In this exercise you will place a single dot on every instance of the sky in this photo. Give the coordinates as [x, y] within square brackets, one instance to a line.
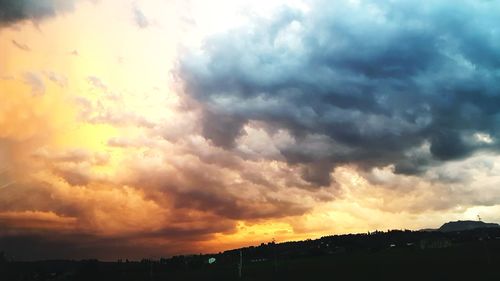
[150, 128]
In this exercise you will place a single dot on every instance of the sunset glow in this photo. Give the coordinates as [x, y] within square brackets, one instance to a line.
[149, 128]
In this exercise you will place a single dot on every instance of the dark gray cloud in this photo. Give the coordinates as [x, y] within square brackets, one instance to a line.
[378, 78]
[203, 188]
[12, 11]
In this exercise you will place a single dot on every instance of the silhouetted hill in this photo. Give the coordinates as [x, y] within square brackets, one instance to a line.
[465, 225]
[471, 254]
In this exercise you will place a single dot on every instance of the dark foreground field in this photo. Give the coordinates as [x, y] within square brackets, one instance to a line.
[472, 258]
[468, 262]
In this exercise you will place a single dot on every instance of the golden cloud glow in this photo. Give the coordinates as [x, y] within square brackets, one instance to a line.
[98, 139]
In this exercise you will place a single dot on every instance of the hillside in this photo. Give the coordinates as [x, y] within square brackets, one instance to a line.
[465, 225]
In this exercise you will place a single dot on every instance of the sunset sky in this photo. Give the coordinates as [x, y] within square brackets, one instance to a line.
[149, 128]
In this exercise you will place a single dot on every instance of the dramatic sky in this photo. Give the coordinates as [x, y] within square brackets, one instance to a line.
[147, 128]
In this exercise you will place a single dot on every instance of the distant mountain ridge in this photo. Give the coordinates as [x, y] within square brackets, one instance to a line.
[465, 225]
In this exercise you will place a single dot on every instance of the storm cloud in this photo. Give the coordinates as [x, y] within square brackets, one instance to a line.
[12, 11]
[377, 79]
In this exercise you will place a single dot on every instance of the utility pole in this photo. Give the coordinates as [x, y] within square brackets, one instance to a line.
[240, 265]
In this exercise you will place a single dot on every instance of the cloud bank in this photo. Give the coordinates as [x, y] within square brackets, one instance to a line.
[12, 11]
[376, 79]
